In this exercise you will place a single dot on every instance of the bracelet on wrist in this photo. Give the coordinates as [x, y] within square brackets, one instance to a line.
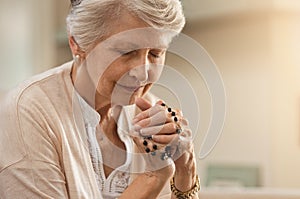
[186, 194]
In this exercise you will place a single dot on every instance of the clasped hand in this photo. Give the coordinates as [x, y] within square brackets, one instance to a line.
[164, 136]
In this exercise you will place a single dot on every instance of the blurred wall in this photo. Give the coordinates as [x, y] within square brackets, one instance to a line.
[285, 101]
[240, 46]
[256, 51]
[30, 38]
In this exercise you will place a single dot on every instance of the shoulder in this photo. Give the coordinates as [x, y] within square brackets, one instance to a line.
[49, 82]
[28, 110]
[35, 101]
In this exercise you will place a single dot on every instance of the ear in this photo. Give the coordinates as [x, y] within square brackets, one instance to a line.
[75, 47]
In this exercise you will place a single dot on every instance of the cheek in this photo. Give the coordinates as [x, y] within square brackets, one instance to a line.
[154, 73]
[108, 78]
[156, 70]
[115, 71]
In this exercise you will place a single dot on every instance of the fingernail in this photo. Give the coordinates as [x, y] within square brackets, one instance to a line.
[153, 137]
[142, 132]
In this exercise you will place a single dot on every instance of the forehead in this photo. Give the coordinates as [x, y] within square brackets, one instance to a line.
[140, 38]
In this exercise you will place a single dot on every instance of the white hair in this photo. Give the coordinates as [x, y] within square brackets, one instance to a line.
[90, 20]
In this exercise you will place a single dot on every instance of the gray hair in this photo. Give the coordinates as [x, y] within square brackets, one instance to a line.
[89, 21]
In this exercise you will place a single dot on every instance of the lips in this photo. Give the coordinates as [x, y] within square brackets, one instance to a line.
[129, 88]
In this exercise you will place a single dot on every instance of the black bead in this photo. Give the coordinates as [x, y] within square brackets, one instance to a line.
[163, 104]
[175, 119]
[148, 137]
[147, 150]
[145, 143]
[155, 147]
[173, 113]
[169, 109]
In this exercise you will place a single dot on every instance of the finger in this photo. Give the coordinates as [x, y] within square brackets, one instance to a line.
[184, 122]
[186, 134]
[161, 103]
[154, 110]
[157, 119]
[142, 104]
[169, 128]
[165, 139]
[147, 113]
[178, 112]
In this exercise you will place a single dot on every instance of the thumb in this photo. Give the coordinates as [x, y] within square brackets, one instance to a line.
[142, 104]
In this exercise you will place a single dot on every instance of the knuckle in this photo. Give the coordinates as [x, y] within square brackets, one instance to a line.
[185, 122]
[179, 112]
[173, 126]
[146, 122]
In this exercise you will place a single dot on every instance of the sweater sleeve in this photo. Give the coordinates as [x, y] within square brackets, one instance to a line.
[29, 163]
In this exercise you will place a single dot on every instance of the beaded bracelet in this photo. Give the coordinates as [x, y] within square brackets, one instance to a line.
[187, 194]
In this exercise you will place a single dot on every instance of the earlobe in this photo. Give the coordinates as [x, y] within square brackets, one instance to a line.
[78, 54]
[77, 59]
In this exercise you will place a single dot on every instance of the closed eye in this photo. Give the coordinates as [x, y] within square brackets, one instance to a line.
[125, 52]
[157, 53]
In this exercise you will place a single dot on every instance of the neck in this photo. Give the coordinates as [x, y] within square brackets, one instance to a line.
[83, 84]
[109, 115]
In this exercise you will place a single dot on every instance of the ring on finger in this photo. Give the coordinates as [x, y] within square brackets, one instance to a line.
[178, 129]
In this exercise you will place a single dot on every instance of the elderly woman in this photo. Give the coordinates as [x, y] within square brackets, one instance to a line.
[90, 128]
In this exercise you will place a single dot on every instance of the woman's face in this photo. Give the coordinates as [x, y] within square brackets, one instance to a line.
[126, 64]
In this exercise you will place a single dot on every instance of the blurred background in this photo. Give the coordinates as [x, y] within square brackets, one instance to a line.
[254, 43]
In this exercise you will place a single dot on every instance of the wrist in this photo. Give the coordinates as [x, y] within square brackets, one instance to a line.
[190, 193]
[185, 182]
[185, 163]
[188, 169]
[185, 177]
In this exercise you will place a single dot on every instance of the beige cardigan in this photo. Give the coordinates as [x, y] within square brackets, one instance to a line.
[43, 147]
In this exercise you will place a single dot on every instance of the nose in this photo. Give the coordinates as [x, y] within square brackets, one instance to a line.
[141, 68]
